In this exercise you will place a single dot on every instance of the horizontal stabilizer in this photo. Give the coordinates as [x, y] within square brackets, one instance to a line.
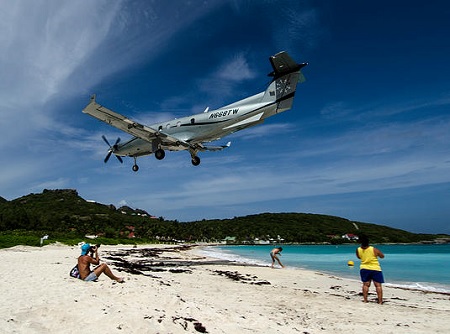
[283, 64]
[217, 148]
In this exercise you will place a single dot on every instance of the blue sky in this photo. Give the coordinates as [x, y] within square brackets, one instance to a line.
[367, 138]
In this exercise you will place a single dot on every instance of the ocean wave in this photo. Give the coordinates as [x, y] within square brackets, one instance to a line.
[222, 254]
[420, 286]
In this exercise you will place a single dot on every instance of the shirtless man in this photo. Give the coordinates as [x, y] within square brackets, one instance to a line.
[273, 254]
[84, 265]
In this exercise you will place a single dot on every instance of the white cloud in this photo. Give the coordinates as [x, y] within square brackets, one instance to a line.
[235, 70]
[221, 84]
[46, 41]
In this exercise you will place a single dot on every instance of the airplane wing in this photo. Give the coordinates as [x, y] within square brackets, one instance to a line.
[133, 128]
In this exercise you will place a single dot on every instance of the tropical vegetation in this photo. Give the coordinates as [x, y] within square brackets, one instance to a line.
[66, 217]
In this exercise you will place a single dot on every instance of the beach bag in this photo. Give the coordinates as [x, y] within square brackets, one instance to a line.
[74, 272]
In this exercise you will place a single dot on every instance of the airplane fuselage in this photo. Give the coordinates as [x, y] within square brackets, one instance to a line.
[203, 127]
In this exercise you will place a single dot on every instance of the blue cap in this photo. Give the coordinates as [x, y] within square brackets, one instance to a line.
[85, 249]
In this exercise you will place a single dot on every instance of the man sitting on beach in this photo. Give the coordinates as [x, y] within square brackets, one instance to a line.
[84, 265]
[370, 269]
[273, 254]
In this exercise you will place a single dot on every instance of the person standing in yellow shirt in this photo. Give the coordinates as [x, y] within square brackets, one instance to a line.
[370, 269]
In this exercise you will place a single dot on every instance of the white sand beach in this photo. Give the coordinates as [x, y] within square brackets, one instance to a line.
[183, 292]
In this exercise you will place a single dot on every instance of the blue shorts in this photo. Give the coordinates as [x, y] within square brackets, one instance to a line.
[369, 275]
[91, 277]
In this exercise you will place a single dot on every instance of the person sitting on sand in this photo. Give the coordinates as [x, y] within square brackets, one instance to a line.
[370, 269]
[84, 265]
[273, 254]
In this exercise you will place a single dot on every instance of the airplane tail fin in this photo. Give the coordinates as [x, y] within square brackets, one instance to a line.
[286, 74]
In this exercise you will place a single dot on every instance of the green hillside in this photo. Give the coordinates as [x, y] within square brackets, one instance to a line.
[65, 215]
[299, 227]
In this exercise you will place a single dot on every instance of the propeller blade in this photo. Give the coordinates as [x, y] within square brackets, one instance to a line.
[119, 158]
[108, 156]
[106, 141]
[117, 141]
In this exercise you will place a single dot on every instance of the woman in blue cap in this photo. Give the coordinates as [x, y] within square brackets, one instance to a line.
[84, 265]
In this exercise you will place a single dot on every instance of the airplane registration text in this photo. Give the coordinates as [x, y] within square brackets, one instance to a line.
[224, 113]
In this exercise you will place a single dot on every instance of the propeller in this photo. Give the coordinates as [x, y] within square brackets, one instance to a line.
[111, 150]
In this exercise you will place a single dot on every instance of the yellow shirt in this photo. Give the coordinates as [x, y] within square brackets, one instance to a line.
[368, 259]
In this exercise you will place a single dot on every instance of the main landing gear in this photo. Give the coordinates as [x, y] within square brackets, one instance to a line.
[160, 154]
[195, 160]
[194, 157]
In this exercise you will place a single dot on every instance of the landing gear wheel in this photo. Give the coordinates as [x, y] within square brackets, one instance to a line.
[135, 168]
[195, 161]
[160, 154]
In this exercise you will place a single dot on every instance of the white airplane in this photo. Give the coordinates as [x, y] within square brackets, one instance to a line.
[190, 133]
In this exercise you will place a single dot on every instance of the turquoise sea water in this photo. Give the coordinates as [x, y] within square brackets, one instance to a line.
[424, 267]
